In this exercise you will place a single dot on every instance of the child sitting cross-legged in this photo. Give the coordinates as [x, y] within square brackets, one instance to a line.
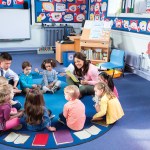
[26, 77]
[6, 121]
[74, 110]
[36, 115]
[108, 106]
[50, 81]
[16, 105]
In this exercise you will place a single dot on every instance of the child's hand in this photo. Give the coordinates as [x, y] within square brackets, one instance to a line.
[36, 70]
[17, 91]
[13, 111]
[34, 85]
[51, 128]
[62, 74]
[50, 85]
[12, 102]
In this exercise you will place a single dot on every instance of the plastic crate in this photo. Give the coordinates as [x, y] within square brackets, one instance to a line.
[117, 73]
[68, 58]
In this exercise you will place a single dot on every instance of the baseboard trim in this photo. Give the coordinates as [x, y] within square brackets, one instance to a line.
[142, 73]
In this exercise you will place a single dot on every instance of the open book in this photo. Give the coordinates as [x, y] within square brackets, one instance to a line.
[86, 133]
[16, 138]
[62, 137]
[72, 76]
[69, 71]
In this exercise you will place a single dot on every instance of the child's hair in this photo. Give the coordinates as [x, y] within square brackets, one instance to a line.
[5, 93]
[72, 91]
[3, 81]
[5, 56]
[106, 90]
[48, 61]
[34, 107]
[26, 64]
[108, 78]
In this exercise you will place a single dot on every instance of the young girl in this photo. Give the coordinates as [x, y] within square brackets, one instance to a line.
[50, 81]
[6, 122]
[104, 77]
[108, 104]
[35, 113]
[15, 104]
[74, 110]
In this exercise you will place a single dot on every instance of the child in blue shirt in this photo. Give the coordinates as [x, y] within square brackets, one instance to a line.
[26, 78]
[36, 115]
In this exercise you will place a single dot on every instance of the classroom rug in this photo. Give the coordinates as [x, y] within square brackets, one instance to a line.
[55, 102]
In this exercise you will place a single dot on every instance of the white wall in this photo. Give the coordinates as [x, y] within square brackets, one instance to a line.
[134, 45]
[37, 40]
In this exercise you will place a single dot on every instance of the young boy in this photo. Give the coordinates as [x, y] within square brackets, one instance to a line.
[74, 110]
[5, 71]
[26, 78]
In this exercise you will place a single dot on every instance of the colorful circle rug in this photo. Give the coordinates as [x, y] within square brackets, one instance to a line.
[63, 137]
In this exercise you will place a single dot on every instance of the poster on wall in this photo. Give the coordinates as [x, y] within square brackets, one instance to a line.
[13, 3]
[61, 11]
[98, 10]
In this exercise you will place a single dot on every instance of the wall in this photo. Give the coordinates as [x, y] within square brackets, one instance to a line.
[134, 45]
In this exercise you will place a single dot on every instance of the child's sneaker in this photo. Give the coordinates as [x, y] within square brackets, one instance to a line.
[52, 116]
[61, 121]
[45, 89]
[54, 89]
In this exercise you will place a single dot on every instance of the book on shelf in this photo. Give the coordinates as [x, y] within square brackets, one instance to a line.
[17, 138]
[40, 139]
[88, 132]
[62, 137]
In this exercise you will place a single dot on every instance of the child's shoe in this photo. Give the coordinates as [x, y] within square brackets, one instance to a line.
[61, 121]
[54, 89]
[45, 89]
[52, 116]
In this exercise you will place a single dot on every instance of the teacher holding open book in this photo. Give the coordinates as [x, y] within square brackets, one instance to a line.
[86, 74]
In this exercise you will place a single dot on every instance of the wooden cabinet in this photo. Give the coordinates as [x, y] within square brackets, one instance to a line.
[61, 48]
[94, 41]
[96, 51]
[76, 40]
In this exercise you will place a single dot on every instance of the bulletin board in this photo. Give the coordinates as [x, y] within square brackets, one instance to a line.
[14, 3]
[98, 11]
[61, 11]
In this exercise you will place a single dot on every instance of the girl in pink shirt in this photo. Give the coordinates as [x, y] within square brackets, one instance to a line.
[6, 121]
[74, 110]
[104, 77]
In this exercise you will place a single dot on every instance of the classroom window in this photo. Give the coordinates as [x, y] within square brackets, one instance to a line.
[129, 8]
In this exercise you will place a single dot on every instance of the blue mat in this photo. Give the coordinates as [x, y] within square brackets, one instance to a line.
[55, 102]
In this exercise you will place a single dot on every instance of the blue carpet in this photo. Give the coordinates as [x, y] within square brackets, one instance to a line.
[55, 102]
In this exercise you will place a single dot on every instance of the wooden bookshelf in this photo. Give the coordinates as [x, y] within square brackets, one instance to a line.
[96, 49]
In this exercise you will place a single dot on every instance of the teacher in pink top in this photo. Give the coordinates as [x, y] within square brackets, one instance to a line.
[87, 74]
[74, 110]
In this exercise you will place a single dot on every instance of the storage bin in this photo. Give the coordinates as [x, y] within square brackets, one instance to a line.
[117, 73]
[67, 57]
